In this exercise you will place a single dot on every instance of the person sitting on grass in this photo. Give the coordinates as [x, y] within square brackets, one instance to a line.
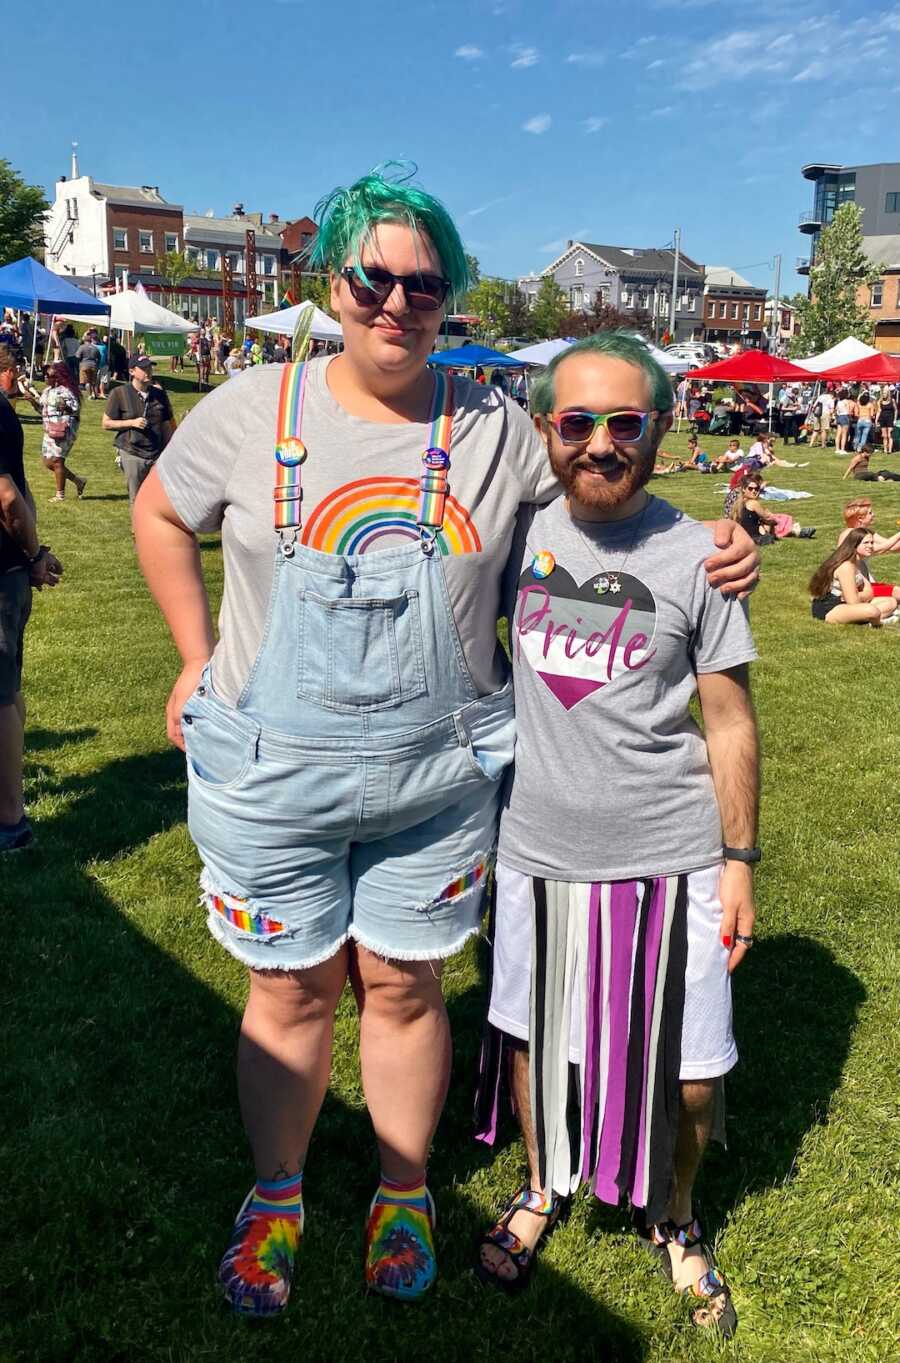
[762, 454]
[697, 458]
[859, 515]
[667, 463]
[859, 468]
[742, 504]
[730, 457]
[841, 589]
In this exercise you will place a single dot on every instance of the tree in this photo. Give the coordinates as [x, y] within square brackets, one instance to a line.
[173, 268]
[550, 313]
[604, 317]
[832, 312]
[488, 302]
[519, 320]
[317, 288]
[22, 217]
[474, 270]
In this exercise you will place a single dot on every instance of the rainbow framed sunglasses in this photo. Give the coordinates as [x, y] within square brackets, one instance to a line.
[622, 427]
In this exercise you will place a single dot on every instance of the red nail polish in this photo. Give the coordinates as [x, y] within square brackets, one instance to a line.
[726, 941]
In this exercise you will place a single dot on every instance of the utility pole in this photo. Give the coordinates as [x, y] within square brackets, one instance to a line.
[673, 301]
[773, 325]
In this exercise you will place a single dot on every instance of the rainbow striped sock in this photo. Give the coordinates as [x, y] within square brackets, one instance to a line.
[394, 1194]
[278, 1197]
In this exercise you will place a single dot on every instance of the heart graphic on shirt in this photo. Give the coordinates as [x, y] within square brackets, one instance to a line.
[579, 639]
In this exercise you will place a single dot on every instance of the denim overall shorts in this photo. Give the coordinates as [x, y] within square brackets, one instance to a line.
[353, 790]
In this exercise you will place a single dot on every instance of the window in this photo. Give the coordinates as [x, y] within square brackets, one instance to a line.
[627, 299]
[746, 312]
[722, 310]
[212, 260]
[171, 241]
[892, 202]
[692, 302]
[268, 264]
[579, 268]
[587, 297]
[145, 241]
[684, 300]
[877, 294]
[757, 312]
[146, 269]
[710, 307]
[235, 258]
[120, 239]
[734, 309]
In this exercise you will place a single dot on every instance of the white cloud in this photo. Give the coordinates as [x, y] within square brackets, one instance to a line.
[654, 66]
[662, 112]
[595, 125]
[468, 53]
[524, 57]
[539, 124]
[483, 208]
[553, 248]
[590, 57]
[813, 71]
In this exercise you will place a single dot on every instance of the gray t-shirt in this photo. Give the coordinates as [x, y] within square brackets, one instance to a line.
[88, 353]
[612, 778]
[360, 476]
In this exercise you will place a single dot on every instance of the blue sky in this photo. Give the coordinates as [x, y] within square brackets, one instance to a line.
[534, 120]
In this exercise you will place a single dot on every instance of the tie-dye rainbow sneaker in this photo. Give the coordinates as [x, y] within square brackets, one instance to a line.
[400, 1259]
[255, 1274]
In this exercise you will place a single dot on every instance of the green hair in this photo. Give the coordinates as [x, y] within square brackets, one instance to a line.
[619, 345]
[347, 217]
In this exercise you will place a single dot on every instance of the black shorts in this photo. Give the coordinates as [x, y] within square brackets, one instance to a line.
[821, 605]
[15, 608]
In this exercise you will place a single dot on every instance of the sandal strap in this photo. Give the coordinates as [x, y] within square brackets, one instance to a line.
[532, 1200]
[666, 1232]
[712, 1284]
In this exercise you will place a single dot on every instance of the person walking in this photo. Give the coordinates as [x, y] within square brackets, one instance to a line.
[865, 417]
[141, 415]
[25, 563]
[887, 415]
[88, 357]
[347, 736]
[60, 418]
[68, 349]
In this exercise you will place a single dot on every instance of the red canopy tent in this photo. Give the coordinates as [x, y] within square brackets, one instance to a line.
[872, 369]
[752, 366]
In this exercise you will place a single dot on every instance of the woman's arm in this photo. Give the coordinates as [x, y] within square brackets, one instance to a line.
[846, 576]
[170, 561]
[857, 459]
[765, 516]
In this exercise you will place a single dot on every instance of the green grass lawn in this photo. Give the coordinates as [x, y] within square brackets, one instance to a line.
[124, 1159]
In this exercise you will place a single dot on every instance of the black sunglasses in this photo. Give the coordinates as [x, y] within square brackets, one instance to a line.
[423, 292]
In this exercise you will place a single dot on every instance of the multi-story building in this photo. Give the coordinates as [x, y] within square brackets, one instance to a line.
[207, 239]
[98, 231]
[733, 308]
[297, 237]
[629, 278]
[875, 188]
[882, 299]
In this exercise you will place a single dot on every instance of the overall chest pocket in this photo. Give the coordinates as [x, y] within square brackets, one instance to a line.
[360, 653]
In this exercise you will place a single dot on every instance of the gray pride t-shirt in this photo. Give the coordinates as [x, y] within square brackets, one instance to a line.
[360, 494]
[611, 776]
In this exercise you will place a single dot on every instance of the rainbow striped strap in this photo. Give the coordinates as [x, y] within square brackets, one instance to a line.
[290, 453]
[434, 484]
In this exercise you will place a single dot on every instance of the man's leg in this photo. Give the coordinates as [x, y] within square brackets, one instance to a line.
[695, 1121]
[12, 751]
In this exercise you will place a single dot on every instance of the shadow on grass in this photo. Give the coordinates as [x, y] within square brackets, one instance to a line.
[122, 1125]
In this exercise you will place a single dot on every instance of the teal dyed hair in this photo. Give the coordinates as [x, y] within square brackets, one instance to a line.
[347, 217]
[618, 345]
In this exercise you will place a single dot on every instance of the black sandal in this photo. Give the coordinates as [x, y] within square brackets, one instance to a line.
[502, 1238]
[717, 1312]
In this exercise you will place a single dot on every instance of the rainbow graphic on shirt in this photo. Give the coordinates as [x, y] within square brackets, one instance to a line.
[355, 517]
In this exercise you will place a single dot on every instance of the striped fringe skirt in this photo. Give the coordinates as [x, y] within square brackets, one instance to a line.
[616, 952]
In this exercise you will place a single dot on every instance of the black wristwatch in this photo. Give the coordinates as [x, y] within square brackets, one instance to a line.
[745, 854]
[36, 557]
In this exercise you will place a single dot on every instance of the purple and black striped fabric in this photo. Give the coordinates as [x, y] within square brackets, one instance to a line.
[618, 952]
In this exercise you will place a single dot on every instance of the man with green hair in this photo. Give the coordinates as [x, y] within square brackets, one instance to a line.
[624, 875]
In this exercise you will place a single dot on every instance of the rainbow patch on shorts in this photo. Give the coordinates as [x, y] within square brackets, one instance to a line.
[465, 882]
[234, 911]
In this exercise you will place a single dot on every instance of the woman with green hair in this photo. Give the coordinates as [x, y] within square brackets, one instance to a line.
[347, 732]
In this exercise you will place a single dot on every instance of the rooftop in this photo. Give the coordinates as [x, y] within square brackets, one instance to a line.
[650, 261]
[723, 277]
[883, 251]
[203, 228]
[147, 196]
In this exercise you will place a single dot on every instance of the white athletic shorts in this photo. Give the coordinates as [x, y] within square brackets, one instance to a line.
[707, 1041]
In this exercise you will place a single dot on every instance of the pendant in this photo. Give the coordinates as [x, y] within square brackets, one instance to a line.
[542, 564]
[614, 584]
[601, 586]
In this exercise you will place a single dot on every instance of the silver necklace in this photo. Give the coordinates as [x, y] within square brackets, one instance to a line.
[610, 582]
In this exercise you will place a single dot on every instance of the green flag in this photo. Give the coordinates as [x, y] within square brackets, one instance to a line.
[164, 343]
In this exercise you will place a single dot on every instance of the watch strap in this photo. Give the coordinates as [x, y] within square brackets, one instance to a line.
[745, 854]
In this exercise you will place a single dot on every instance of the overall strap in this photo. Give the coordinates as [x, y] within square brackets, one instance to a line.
[290, 454]
[434, 484]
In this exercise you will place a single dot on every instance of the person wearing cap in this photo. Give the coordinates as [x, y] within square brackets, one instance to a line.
[141, 415]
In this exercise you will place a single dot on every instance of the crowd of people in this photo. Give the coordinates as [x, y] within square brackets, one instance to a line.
[349, 823]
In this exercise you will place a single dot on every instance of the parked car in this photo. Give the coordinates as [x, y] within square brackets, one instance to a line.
[694, 354]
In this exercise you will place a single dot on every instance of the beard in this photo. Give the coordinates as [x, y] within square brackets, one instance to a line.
[619, 476]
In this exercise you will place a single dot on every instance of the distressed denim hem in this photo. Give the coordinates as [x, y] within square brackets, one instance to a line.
[399, 954]
[257, 956]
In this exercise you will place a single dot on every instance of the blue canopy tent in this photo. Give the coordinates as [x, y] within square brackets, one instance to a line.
[30, 287]
[474, 357]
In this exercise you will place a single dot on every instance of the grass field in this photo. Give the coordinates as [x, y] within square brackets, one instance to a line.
[123, 1153]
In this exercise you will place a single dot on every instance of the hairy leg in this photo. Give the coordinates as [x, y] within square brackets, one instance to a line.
[284, 1060]
[695, 1119]
[404, 1051]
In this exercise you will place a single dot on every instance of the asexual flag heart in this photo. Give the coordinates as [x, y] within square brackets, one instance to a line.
[578, 640]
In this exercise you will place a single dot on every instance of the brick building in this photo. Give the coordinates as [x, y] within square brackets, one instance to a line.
[733, 308]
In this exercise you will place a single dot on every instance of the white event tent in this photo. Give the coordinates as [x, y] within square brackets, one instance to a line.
[284, 322]
[134, 310]
[845, 352]
[540, 353]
